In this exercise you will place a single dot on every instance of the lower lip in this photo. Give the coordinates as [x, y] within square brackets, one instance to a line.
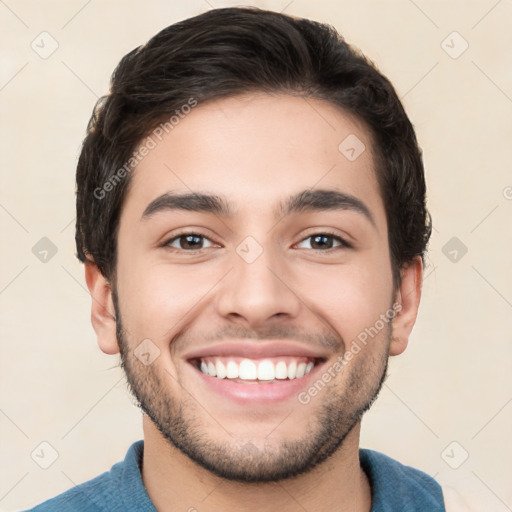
[251, 392]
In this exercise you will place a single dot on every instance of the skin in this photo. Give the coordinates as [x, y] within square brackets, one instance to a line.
[255, 151]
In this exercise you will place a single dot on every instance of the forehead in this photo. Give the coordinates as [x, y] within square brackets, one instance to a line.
[255, 150]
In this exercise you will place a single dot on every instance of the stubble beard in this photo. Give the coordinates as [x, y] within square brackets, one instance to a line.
[250, 462]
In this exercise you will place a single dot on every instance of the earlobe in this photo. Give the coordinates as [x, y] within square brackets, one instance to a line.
[102, 308]
[408, 296]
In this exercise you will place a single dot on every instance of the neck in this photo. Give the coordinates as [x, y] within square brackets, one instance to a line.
[174, 482]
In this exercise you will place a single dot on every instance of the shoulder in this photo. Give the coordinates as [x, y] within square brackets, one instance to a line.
[396, 486]
[119, 490]
[87, 497]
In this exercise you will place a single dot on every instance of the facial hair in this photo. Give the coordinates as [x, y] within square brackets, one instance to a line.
[340, 411]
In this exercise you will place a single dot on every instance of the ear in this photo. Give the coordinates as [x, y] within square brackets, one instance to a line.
[102, 310]
[408, 297]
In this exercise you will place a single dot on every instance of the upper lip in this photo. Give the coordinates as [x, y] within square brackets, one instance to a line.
[255, 350]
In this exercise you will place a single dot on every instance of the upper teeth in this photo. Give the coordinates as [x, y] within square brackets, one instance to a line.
[248, 369]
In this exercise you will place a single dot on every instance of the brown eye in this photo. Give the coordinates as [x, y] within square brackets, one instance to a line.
[189, 242]
[324, 241]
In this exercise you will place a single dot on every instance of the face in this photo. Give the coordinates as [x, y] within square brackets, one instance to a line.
[252, 254]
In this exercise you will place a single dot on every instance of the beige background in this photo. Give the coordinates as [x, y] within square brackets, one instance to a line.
[454, 381]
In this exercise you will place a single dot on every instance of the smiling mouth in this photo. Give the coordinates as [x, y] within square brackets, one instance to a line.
[267, 370]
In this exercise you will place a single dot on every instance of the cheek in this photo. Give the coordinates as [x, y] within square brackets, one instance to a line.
[157, 298]
[351, 299]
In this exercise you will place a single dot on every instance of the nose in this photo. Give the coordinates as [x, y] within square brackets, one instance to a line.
[258, 292]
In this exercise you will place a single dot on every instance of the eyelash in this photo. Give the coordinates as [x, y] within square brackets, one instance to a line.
[343, 243]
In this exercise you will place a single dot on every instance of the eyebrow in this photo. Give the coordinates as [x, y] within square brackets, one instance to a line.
[307, 200]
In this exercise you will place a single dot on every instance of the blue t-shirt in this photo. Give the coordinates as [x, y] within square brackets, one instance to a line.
[395, 488]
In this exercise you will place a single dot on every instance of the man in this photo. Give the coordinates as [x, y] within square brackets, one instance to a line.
[251, 215]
